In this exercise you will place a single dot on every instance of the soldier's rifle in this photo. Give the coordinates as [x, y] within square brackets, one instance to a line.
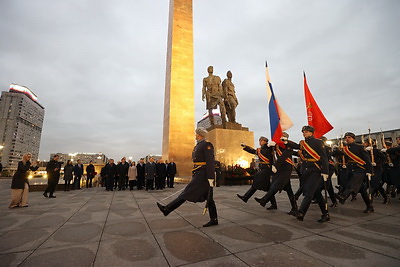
[385, 147]
[373, 161]
[341, 149]
[209, 195]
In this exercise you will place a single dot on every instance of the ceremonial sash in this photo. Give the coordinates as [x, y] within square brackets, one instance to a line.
[353, 156]
[262, 157]
[309, 150]
[279, 152]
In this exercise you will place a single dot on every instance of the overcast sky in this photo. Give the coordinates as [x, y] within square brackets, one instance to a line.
[98, 66]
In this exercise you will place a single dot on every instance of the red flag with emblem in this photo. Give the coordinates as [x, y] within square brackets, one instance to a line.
[315, 116]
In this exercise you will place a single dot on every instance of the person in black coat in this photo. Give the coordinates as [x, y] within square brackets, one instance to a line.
[141, 174]
[201, 186]
[53, 175]
[171, 170]
[282, 171]
[314, 165]
[90, 173]
[150, 172]
[262, 179]
[20, 183]
[358, 166]
[377, 163]
[122, 172]
[161, 174]
[78, 172]
[110, 171]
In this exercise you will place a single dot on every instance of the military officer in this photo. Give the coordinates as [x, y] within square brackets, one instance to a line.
[314, 165]
[358, 165]
[377, 161]
[282, 170]
[262, 179]
[201, 186]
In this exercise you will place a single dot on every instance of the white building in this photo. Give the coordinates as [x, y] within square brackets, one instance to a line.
[21, 122]
[96, 158]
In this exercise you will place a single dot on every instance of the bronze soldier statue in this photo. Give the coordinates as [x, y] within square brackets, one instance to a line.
[212, 93]
[230, 99]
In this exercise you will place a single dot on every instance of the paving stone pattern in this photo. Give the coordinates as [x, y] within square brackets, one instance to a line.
[92, 227]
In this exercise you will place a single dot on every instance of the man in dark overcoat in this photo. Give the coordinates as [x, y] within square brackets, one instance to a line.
[201, 186]
[53, 175]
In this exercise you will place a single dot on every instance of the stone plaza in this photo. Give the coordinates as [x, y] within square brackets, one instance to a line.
[92, 227]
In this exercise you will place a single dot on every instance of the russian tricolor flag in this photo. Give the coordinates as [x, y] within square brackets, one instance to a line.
[278, 119]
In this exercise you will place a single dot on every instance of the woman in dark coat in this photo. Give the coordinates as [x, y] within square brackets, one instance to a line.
[68, 174]
[20, 184]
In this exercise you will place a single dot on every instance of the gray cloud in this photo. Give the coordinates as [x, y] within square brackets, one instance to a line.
[98, 67]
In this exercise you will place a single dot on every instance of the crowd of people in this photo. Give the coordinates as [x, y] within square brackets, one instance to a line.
[144, 176]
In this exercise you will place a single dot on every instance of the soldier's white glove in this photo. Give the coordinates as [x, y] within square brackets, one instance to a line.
[211, 182]
[369, 176]
[344, 166]
[391, 164]
[325, 177]
[368, 148]
[272, 143]
[335, 147]
[373, 164]
[273, 169]
[383, 149]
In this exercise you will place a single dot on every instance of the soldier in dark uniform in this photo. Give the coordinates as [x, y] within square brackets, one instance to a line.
[282, 170]
[394, 167]
[201, 186]
[358, 165]
[262, 179]
[314, 165]
[377, 161]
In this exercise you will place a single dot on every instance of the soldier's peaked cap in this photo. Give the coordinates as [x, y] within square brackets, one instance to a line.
[202, 131]
[350, 134]
[263, 138]
[308, 128]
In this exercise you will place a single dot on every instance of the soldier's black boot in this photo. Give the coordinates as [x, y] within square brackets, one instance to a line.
[367, 202]
[273, 206]
[305, 204]
[293, 203]
[213, 215]
[343, 196]
[324, 218]
[247, 195]
[323, 207]
[386, 200]
[171, 206]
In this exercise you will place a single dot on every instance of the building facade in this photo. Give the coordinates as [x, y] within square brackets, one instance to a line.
[21, 122]
[96, 158]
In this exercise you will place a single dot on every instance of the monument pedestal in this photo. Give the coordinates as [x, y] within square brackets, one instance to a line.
[227, 143]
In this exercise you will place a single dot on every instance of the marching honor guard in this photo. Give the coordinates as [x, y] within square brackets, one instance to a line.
[282, 170]
[358, 165]
[200, 188]
[262, 179]
[314, 165]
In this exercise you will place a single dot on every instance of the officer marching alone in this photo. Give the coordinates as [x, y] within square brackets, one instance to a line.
[200, 188]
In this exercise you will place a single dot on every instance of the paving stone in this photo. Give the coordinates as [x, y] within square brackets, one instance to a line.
[65, 256]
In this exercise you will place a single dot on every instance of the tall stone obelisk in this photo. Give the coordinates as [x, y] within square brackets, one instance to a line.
[178, 132]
